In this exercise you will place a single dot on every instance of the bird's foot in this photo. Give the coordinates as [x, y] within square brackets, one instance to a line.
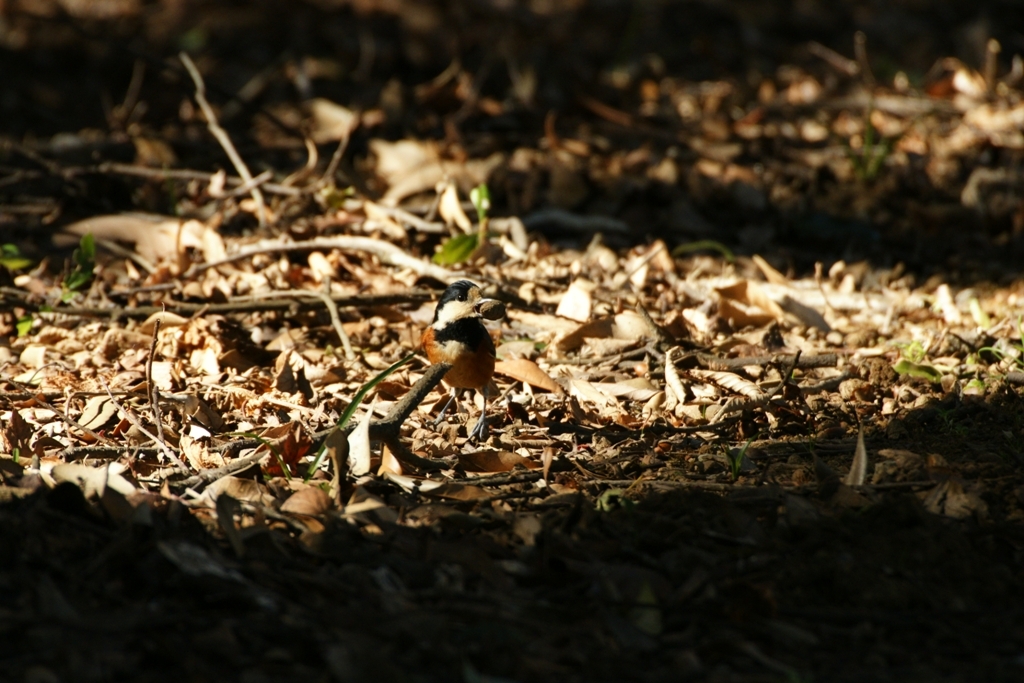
[479, 432]
[447, 404]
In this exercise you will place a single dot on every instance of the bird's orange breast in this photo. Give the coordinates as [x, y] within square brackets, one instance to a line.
[472, 364]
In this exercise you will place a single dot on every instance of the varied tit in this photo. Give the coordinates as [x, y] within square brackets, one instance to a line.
[458, 337]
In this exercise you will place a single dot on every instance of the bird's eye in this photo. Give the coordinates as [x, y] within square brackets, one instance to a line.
[463, 296]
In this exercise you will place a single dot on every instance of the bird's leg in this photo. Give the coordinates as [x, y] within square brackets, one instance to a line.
[452, 393]
[480, 429]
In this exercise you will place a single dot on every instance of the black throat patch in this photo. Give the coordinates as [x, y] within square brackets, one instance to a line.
[469, 331]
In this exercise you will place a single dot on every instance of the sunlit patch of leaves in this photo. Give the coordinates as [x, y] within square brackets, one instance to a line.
[353, 406]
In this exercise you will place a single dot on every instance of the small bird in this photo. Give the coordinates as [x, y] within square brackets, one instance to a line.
[458, 336]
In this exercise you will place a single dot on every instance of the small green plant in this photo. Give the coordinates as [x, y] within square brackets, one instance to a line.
[912, 362]
[951, 425]
[913, 351]
[1016, 360]
[735, 458]
[868, 160]
[613, 499]
[460, 247]
[11, 258]
[84, 266]
[352, 407]
[24, 325]
[704, 245]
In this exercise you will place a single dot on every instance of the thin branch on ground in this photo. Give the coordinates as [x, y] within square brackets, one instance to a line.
[222, 137]
[387, 430]
[325, 296]
[61, 413]
[164, 448]
[263, 302]
[113, 168]
[389, 254]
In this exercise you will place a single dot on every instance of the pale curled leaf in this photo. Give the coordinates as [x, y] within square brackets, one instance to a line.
[586, 391]
[244, 490]
[632, 390]
[156, 238]
[494, 461]
[730, 381]
[528, 372]
[359, 445]
[330, 122]
[769, 271]
[308, 500]
[93, 480]
[411, 484]
[675, 391]
[451, 209]
[455, 491]
[97, 411]
[576, 303]
[859, 469]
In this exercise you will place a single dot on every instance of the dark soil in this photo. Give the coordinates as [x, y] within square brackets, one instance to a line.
[669, 582]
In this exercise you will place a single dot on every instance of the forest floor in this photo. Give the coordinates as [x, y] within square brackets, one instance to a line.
[757, 412]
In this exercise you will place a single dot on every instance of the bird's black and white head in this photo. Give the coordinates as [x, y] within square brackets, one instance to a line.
[460, 300]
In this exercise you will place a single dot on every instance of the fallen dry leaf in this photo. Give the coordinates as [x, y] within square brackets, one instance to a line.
[527, 371]
[494, 461]
[308, 500]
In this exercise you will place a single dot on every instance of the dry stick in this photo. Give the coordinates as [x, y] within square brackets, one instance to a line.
[207, 476]
[245, 188]
[47, 395]
[240, 305]
[138, 424]
[325, 296]
[421, 224]
[60, 413]
[711, 362]
[735, 405]
[332, 166]
[785, 376]
[388, 429]
[819, 280]
[312, 158]
[507, 478]
[222, 136]
[648, 257]
[388, 253]
[834, 59]
[112, 168]
[659, 334]
[116, 249]
[328, 302]
[705, 485]
[860, 51]
[992, 50]
[154, 393]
